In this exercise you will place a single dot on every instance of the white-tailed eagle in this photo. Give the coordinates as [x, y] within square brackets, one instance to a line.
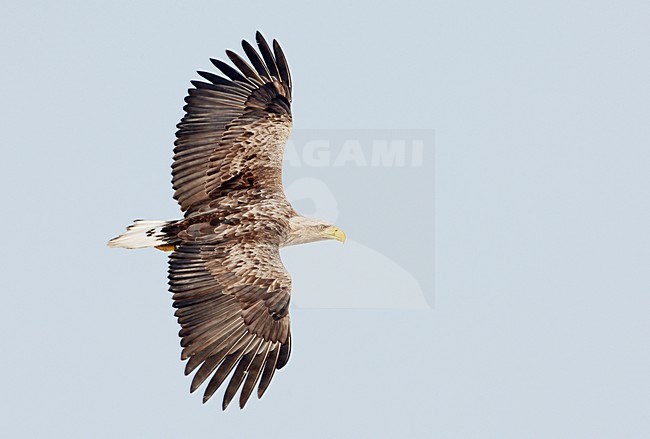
[230, 289]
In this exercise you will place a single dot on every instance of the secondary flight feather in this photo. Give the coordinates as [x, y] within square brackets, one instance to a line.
[229, 287]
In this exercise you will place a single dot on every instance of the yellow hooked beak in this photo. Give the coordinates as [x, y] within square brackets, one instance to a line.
[333, 233]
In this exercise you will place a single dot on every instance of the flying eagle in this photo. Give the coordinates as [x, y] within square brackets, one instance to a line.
[230, 289]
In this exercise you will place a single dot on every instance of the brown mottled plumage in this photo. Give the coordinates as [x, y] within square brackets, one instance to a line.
[229, 286]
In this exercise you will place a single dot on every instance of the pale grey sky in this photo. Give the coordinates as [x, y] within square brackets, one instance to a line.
[539, 327]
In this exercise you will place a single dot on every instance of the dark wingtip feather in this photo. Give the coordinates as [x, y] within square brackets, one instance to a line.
[267, 55]
[204, 372]
[209, 365]
[225, 368]
[238, 376]
[255, 59]
[285, 352]
[227, 70]
[243, 66]
[215, 79]
[253, 374]
[204, 85]
[281, 61]
[268, 371]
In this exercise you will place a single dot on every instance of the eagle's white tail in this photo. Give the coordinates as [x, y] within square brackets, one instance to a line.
[142, 234]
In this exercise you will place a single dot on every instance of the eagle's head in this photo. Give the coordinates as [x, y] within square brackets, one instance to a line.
[303, 230]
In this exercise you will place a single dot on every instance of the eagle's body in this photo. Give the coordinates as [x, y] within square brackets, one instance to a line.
[229, 286]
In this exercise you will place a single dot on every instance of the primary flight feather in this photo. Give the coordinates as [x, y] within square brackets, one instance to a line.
[230, 289]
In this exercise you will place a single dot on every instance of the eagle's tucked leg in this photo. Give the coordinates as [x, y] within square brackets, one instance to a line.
[166, 247]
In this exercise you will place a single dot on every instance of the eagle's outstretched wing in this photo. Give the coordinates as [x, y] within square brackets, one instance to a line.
[233, 308]
[229, 285]
[234, 130]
